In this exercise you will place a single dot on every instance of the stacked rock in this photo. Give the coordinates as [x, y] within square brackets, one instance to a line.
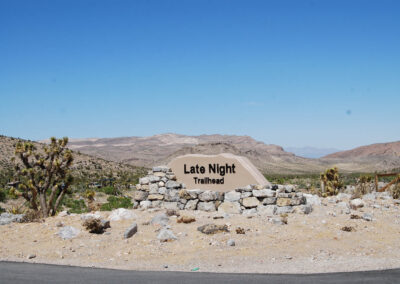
[159, 189]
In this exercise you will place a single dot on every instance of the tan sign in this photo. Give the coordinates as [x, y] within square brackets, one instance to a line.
[223, 172]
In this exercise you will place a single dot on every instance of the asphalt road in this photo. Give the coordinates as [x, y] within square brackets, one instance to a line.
[12, 272]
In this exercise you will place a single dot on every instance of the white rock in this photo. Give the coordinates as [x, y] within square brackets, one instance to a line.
[68, 232]
[206, 206]
[146, 204]
[85, 217]
[342, 196]
[356, 203]
[121, 214]
[312, 199]
[232, 196]
[208, 195]
[229, 207]
[268, 210]
[166, 235]
[144, 180]
[231, 243]
[263, 193]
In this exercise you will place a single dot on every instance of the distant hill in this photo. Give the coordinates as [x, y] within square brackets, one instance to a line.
[391, 150]
[269, 158]
[380, 156]
[311, 152]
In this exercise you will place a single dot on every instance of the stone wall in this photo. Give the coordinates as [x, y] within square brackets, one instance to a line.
[159, 189]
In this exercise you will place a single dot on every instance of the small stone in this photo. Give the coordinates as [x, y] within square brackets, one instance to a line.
[60, 224]
[367, 217]
[212, 229]
[356, 203]
[160, 219]
[68, 232]
[31, 256]
[231, 243]
[131, 231]
[166, 235]
[186, 219]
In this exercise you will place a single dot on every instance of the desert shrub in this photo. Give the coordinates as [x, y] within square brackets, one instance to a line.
[75, 206]
[31, 216]
[2, 195]
[94, 226]
[115, 202]
[109, 190]
[330, 182]
[363, 186]
[90, 194]
[396, 189]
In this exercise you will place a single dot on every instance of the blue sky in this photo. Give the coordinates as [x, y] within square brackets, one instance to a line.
[293, 73]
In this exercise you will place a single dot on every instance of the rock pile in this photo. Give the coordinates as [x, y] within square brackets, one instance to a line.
[159, 189]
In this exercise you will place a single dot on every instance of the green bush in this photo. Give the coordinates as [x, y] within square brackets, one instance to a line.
[116, 202]
[76, 206]
[109, 190]
[2, 195]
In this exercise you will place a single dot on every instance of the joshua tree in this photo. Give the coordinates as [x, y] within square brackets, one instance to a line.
[43, 175]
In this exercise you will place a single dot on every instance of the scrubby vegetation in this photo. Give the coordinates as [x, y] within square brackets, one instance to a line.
[396, 189]
[115, 202]
[363, 186]
[92, 179]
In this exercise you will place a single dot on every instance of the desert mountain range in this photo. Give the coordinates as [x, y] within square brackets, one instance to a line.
[269, 158]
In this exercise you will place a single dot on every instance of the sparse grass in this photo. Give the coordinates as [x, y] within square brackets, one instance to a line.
[109, 190]
[75, 206]
[115, 202]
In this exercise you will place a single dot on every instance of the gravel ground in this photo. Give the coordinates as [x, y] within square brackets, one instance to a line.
[307, 244]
